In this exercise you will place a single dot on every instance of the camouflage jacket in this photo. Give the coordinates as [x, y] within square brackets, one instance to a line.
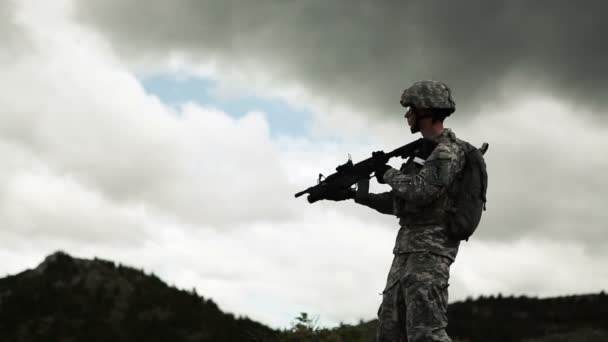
[419, 198]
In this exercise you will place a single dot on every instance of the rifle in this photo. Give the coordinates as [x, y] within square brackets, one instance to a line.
[348, 173]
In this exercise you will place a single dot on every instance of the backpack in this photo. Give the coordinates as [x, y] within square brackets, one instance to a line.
[468, 193]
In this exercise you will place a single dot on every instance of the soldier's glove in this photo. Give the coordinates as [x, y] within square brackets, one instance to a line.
[380, 159]
[341, 195]
[379, 173]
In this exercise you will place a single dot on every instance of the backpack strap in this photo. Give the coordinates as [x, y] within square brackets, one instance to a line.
[484, 186]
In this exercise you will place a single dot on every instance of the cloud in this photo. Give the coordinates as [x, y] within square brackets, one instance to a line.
[270, 272]
[545, 163]
[10, 33]
[80, 114]
[365, 53]
[529, 266]
[41, 205]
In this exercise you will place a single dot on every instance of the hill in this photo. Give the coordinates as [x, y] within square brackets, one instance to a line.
[71, 299]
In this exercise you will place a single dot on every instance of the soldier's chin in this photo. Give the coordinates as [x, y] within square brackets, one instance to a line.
[414, 129]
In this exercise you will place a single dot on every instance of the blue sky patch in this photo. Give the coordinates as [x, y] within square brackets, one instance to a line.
[282, 119]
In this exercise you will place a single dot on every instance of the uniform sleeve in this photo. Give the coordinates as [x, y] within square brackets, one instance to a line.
[382, 203]
[438, 172]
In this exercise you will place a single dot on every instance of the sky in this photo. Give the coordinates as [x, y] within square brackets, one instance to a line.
[171, 136]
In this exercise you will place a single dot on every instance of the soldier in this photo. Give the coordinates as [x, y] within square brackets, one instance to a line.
[415, 299]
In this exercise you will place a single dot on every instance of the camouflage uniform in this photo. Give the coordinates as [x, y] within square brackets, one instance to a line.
[415, 298]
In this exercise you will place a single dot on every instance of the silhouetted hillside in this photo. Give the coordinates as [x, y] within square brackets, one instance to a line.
[517, 318]
[70, 299]
[582, 318]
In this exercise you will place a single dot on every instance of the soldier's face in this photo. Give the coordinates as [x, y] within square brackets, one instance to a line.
[410, 116]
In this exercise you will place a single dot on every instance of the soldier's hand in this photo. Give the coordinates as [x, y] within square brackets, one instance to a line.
[379, 173]
[380, 158]
[341, 195]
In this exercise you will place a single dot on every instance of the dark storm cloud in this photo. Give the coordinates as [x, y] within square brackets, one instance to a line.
[365, 53]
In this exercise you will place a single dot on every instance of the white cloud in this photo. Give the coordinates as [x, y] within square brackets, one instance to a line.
[330, 265]
[532, 267]
[39, 204]
[546, 164]
[76, 108]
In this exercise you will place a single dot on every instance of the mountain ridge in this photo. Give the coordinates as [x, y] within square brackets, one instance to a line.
[73, 299]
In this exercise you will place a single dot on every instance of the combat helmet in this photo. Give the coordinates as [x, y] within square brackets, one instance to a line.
[429, 95]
